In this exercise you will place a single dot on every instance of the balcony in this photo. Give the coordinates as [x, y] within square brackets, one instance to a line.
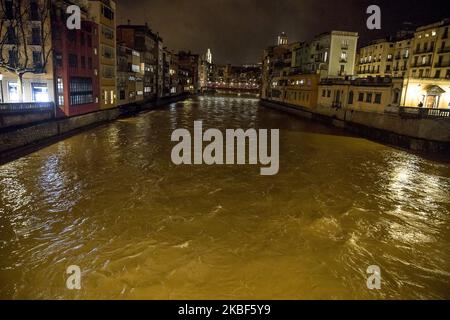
[420, 64]
[444, 50]
[424, 50]
[442, 64]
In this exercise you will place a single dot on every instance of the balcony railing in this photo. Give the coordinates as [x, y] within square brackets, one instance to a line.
[414, 112]
[421, 64]
[442, 64]
[424, 50]
[444, 50]
[26, 107]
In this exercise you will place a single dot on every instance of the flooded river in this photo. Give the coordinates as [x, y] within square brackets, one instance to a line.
[110, 201]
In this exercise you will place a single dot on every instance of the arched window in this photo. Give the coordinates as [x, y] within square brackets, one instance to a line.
[350, 97]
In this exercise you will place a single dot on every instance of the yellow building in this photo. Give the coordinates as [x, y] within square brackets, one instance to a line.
[428, 84]
[376, 59]
[104, 14]
[402, 53]
[296, 90]
[369, 95]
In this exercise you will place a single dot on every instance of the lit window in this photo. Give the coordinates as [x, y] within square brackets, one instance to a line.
[13, 90]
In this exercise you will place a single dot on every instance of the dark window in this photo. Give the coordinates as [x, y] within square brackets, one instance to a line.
[82, 39]
[122, 94]
[13, 57]
[378, 98]
[361, 97]
[34, 10]
[89, 41]
[438, 74]
[37, 59]
[72, 36]
[369, 98]
[350, 97]
[324, 93]
[90, 63]
[73, 61]
[107, 13]
[11, 36]
[329, 93]
[9, 9]
[36, 36]
[83, 62]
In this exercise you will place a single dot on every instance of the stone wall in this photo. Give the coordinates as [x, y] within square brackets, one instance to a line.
[426, 134]
[14, 143]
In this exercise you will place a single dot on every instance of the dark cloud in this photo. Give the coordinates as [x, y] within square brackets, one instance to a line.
[238, 30]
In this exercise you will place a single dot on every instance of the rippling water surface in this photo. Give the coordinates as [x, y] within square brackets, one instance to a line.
[110, 201]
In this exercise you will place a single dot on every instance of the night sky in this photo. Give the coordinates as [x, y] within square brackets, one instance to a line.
[238, 30]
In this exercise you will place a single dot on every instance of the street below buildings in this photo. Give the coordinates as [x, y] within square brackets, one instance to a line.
[110, 201]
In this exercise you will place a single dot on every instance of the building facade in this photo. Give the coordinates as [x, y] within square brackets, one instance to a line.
[104, 15]
[190, 63]
[76, 62]
[377, 59]
[28, 51]
[364, 94]
[428, 84]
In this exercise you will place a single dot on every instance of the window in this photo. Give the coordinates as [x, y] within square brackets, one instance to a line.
[361, 97]
[9, 9]
[58, 59]
[13, 57]
[437, 74]
[108, 72]
[72, 36]
[378, 98]
[329, 93]
[13, 91]
[324, 93]
[34, 10]
[369, 98]
[350, 97]
[108, 33]
[81, 91]
[35, 36]
[60, 91]
[107, 52]
[82, 39]
[11, 35]
[90, 63]
[39, 92]
[73, 61]
[83, 62]
[107, 13]
[37, 59]
[89, 41]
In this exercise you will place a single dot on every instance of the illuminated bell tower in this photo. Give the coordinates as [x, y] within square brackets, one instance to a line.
[282, 39]
[209, 56]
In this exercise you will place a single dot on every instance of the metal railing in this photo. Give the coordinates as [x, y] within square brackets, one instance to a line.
[416, 112]
[24, 107]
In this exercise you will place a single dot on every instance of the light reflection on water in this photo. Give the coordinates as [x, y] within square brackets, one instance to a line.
[110, 201]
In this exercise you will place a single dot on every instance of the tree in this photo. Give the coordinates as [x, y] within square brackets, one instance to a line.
[25, 38]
